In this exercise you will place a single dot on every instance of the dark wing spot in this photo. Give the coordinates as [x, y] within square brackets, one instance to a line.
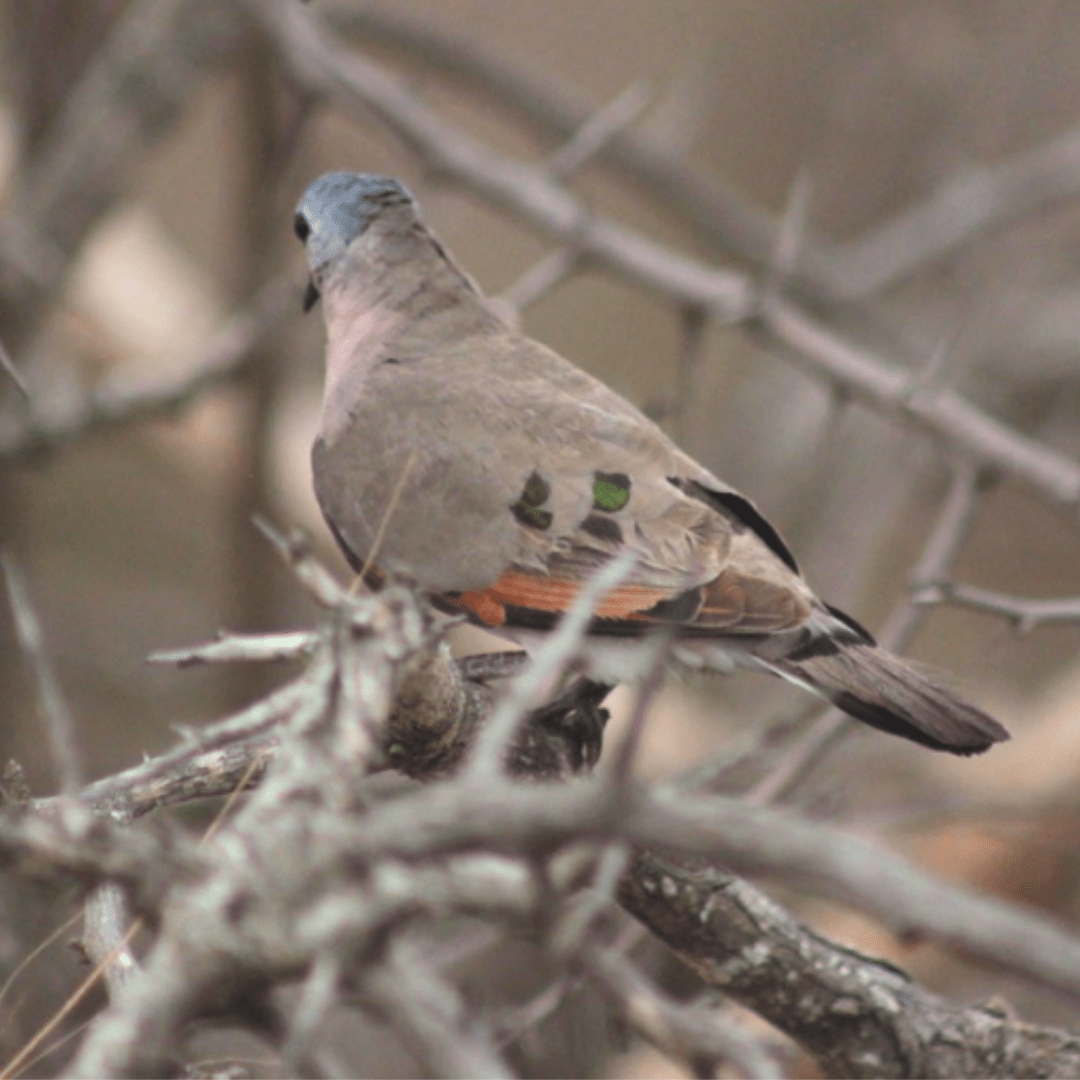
[528, 507]
[536, 490]
[311, 296]
[740, 510]
[603, 528]
[611, 491]
[532, 516]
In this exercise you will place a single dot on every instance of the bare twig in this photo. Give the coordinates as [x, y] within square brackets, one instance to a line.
[1024, 613]
[959, 212]
[131, 93]
[27, 1051]
[693, 1034]
[791, 238]
[431, 1013]
[946, 416]
[203, 758]
[653, 669]
[59, 723]
[432, 851]
[295, 550]
[497, 665]
[388, 514]
[538, 280]
[107, 936]
[326, 69]
[586, 907]
[673, 408]
[8, 366]
[123, 402]
[708, 205]
[599, 130]
[241, 648]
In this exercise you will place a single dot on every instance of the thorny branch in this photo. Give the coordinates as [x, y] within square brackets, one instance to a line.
[132, 92]
[956, 214]
[326, 69]
[1024, 613]
[319, 879]
[112, 404]
[312, 864]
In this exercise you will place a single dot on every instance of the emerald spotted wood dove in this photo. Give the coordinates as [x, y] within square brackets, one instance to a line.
[501, 477]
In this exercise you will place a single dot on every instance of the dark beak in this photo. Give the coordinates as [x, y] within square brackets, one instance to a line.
[311, 296]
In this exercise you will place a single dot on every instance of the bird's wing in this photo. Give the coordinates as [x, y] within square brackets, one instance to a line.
[601, 480]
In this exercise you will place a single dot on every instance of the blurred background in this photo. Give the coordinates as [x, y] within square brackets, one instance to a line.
[120, 265]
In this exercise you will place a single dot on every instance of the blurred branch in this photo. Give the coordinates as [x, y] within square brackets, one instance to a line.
[431, 1013]
[319, 64]
[672, 408]
[694, 1033]
[538, 280]
[749, 839]
[265, 146]
[943, 414]
[960, 212]
[604, 125]
[1025, 614]
[325, 68]
[705, 203]
[9, 368]
[117, 402]
[131, 92]
[499, 731]
[53, 706]
[309, 865]
[107, 934]
[249, 648]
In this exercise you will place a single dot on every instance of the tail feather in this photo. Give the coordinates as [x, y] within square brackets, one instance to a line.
[883, 691]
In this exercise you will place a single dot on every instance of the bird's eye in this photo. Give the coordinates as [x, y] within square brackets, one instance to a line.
[301, 227]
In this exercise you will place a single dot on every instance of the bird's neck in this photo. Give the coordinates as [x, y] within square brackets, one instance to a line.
[396, 291]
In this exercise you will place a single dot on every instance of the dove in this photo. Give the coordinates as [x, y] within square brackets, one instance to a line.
[478, 463]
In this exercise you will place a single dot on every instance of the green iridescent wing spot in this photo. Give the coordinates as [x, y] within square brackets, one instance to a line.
[528, 509]
[611, 491]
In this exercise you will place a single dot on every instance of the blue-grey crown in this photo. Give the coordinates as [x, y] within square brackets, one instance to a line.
[338, 207]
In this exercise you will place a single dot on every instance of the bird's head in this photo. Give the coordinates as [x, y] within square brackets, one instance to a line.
[335, 210]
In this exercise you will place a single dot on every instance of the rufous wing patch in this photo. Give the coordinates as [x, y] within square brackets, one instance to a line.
[480, 603]
[541, 592]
